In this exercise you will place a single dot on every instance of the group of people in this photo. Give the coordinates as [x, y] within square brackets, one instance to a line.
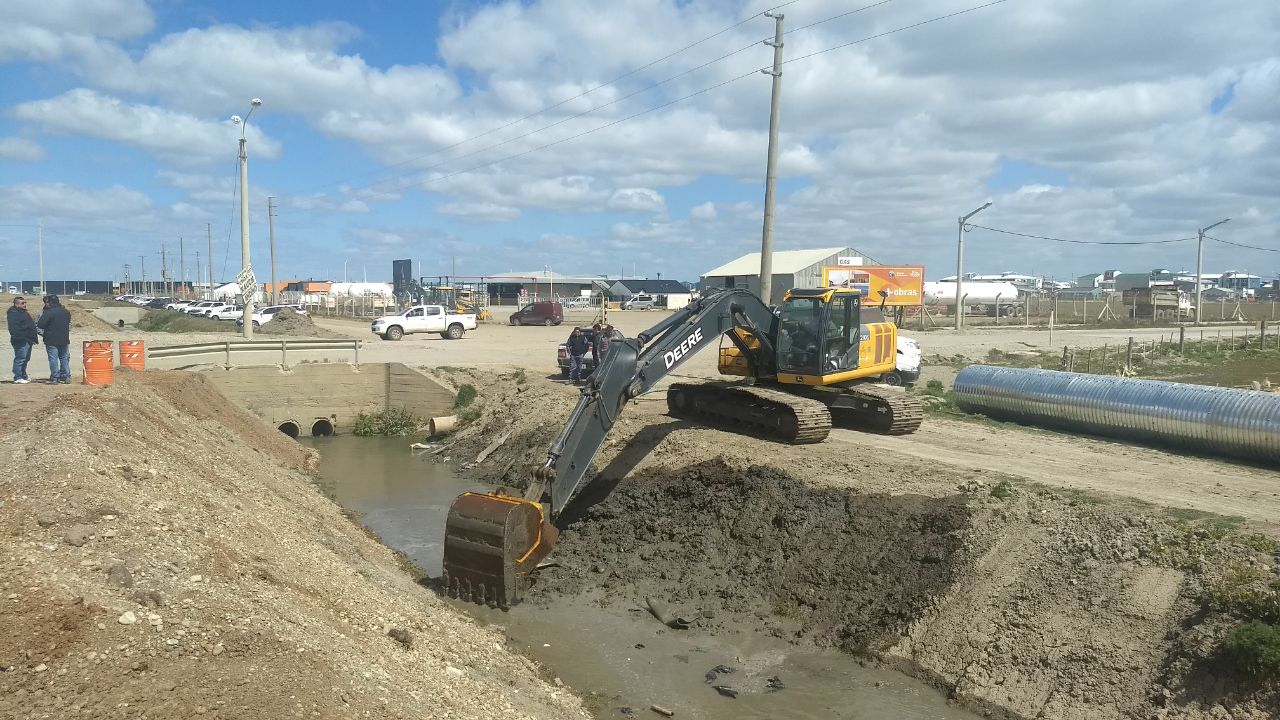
[579, 343]
[25, 332]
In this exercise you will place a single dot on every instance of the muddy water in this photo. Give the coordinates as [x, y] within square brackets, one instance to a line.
[619, 657]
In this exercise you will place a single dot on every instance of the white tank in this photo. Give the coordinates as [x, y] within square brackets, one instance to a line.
[978, 293]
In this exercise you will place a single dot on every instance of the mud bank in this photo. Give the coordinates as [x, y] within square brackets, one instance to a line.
[1018, 600]
[167, 556]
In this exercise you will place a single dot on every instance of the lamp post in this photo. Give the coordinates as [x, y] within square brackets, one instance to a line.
[1200, 263]
[246, 263]
[960, 264]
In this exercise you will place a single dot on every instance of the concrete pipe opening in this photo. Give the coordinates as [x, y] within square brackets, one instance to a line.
[290, 428]
[322, 427]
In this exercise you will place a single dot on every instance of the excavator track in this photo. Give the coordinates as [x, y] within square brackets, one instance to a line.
[882, 410]
[774, 414]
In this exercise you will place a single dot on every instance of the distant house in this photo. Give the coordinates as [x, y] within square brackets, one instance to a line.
[1105, 280]
[670, 293]
[791, 269]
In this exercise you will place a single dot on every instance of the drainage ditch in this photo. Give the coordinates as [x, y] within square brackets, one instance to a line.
[779, 584]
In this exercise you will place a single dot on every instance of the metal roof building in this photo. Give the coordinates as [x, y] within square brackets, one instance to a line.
[791, 269]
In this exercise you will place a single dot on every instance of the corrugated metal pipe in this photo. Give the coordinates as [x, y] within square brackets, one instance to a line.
[1242, 423]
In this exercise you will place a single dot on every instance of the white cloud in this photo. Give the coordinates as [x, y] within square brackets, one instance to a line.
[19, 149]
[643, 200]
[479, 212]
[706, 212]
[49, 30]
[176, 137]
[115, 204]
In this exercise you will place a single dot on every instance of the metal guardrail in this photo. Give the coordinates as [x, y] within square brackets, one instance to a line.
[227, 347]
[1227, 421]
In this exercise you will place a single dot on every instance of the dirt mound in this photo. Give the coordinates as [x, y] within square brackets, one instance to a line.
[167, 558]
[85, 320]
[835, 567]
[292, 324]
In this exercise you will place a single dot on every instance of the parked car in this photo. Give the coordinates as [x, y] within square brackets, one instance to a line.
[543, 312]
[158, 303]
[140, 300]
[225, 311]
[639, 301]
[424, 319]
[589, 360]
[261, 316]
[178, 304]
[199, 308]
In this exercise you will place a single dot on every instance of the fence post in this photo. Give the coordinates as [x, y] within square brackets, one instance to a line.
[1128, 356]
[284, 353]
[228, 349]
[1051, 327]
[1064, 357]
[356, 343]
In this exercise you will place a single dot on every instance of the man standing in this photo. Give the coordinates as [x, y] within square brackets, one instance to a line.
[55, 321]
[22, 335]
[600, 341]
[577, 348]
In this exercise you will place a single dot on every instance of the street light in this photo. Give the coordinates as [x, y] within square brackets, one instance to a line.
[960, 264]
[245, 263]
[1200, 263]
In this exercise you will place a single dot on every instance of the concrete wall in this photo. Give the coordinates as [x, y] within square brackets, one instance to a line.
[338, 392]
[130, 315]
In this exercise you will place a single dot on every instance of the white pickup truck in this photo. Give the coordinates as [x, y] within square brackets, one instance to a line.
[424, 319]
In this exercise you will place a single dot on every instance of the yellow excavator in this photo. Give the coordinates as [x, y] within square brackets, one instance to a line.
[811, 360]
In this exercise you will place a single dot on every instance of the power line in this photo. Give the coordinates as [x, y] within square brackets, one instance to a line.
[897, 30]
[837, 17]
[669, 103]
[1079, 242]
[1242, 245]
[566, 101]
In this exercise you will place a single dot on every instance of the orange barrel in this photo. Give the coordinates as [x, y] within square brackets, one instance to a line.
[133, 355]
[99, 362]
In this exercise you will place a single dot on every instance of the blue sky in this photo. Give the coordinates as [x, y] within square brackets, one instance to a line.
[412, 130]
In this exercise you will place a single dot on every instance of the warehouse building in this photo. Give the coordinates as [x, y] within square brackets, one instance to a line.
[670, 294]
[791, 269]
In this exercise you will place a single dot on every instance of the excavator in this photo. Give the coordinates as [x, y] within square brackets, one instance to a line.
[804, 364]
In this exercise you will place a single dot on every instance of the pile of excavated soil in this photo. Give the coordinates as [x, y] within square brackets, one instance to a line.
[168, 557]
[289, 323]
[1019, 600]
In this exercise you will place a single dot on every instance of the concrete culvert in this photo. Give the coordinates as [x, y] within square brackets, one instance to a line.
[322, 427]
[290, 428]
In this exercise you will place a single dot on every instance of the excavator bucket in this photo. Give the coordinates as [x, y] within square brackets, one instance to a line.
[491, 544]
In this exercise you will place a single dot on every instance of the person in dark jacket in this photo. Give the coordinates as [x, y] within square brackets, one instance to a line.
[600, 341]
[55, 322]
[22, 336]
[577, 349]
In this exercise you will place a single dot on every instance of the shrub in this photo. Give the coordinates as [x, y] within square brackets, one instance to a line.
[395, 422]
[466, 395]
[1254, 647]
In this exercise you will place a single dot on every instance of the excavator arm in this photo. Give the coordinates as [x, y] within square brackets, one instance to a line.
[494, 541]
[634, 366]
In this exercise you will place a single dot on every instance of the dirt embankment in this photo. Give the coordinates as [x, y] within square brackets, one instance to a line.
[291, 324]
[1019, 600]
[167, 557]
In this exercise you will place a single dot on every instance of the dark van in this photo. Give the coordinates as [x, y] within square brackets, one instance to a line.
[539, 313]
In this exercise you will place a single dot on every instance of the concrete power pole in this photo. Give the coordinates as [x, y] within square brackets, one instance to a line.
[164, 271]
[271, 225]
[198, 266]
[209, 229]
[182, 274]
[142, 265]
[771, 173]
[40, 243]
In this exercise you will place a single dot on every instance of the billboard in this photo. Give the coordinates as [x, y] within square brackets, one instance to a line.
[903, 283]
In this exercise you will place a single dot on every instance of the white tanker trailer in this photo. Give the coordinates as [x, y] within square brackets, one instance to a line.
[985, 294]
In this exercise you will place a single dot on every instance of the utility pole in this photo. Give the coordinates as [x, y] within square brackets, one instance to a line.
[209, 229]
[246, 260]
[40, 242]
[197, 265]
[1200, 265]
[960, 265]
[142, 263]
[272, 226]
[182, 260]
[164, 271]
[771, 172]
